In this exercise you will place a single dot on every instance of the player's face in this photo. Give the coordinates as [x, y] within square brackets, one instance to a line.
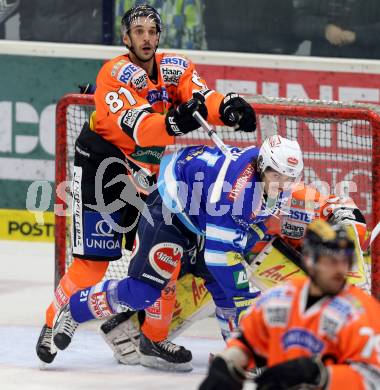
[275, 182]
[329, 273]
[143, 38]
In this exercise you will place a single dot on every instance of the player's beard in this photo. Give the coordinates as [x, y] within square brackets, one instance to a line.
[328, 286]
[132, 49]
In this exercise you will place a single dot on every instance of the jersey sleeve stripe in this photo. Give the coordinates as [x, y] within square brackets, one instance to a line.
[369, 373]
[220, 246]
[136, 127]
[145, 107]
[167, 187]
[218, 233]
[130, 120]
[215, 258]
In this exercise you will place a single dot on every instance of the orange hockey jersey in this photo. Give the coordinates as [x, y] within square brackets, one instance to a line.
[306, 204]
[343, 330]
[124, 92]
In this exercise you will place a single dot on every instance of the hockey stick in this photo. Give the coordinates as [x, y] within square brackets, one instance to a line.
[276, 262]
[375, 232]
[217, 190]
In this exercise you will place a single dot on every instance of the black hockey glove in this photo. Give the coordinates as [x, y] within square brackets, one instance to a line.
[180, 120]
[221, 376]
[235, 111]
[310, 371]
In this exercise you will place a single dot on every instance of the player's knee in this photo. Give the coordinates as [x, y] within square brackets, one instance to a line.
[218, 295]
[137, 294]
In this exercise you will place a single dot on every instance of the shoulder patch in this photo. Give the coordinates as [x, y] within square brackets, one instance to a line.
[171, 74]
[116, 67]
[283, 293]
[139, 80]
[127, 71]
[172, 68]
[293, 230]
[276, 305]
[338, 313]
[175, 60]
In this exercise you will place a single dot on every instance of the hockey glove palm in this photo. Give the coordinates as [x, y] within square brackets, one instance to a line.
[310, 371]
[180, 120]
[235, 111]
[221, 376]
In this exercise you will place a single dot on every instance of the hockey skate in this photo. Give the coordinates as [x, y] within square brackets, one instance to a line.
[45, 348]
[164, 355]
[123, 337]
[64, 328]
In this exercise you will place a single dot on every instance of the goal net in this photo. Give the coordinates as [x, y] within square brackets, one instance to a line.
[340, 142]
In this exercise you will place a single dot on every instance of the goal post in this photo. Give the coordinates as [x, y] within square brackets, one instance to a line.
[340, 142]
[72, 111]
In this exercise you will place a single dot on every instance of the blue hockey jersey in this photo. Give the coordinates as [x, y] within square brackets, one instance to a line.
[233, 224]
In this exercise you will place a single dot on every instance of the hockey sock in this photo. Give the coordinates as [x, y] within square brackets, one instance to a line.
[225, 309]
[111, 297]
[159, 316]
[80, 274]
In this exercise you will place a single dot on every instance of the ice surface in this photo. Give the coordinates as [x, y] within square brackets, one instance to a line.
[88, 364]
[26, 287]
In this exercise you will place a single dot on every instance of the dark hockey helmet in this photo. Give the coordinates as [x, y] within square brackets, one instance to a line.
[141, 11]
[322, 238]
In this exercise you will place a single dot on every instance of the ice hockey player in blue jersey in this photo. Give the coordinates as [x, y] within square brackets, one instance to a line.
[257, 184]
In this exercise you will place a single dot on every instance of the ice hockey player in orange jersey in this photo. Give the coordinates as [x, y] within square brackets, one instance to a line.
[307, 204]
[143, 101]
[317, 331]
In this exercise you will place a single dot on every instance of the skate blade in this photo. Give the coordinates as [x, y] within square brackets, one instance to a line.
[128, 360]
[161, 364]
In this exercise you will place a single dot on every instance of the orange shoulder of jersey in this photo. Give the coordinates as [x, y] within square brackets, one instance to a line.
[178, 71]
[340, 329]
[122, 106]
[131, 107]
[358, 340]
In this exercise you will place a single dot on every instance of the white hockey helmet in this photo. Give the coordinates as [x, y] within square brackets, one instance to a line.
[282, 155]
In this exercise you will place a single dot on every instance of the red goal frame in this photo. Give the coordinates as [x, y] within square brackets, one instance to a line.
[264, 107]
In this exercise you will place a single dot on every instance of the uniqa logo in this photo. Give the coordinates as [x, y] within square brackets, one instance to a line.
[102, 244]
[103, 229]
